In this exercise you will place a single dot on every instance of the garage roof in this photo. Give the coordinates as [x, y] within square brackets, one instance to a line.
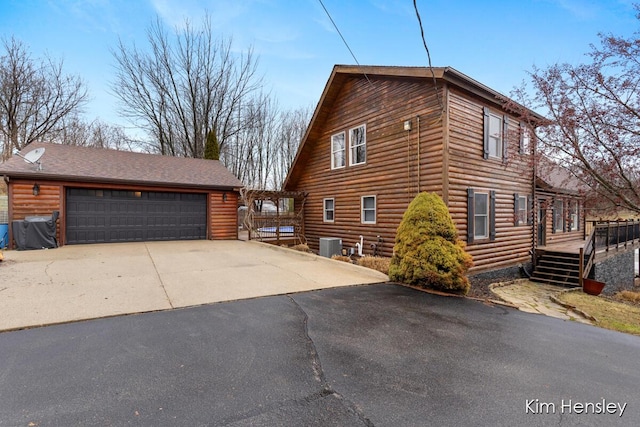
[86, 164]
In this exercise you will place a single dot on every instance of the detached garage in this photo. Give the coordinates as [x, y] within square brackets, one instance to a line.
[105, 196]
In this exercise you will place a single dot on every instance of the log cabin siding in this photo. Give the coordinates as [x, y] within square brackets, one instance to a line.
[468, 169]
[390, 171]
[444, 152]
[23, 203]
[223, 215]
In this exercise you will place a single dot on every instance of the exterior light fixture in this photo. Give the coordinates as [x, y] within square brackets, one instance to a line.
[407, 125]
[224, 197]
[36, 189]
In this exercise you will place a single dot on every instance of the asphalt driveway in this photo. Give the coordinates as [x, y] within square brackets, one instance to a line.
[77, 282]
[377, 355]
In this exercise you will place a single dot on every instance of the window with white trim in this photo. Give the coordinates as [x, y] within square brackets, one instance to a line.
[494, 136]
[558, 216]
[575, 219]
[358, 145]
[525, 139]
[329, 210]
[481, 215]
[522, 210]
[338, 158]
[368, 204]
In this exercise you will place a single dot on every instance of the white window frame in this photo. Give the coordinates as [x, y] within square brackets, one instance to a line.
[525, 143]
[476, 232]
[334, 151]
[325, 210]
[575, 218]
[363, 210]
[522, 210]
[495, 138]
[353, 149]
[558, 212]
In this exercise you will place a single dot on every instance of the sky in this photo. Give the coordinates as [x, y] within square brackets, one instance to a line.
[496, 42]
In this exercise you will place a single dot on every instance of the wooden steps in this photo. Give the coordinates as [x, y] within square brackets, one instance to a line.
[557, 268]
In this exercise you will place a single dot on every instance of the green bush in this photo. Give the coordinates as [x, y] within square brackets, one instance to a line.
[428, 252]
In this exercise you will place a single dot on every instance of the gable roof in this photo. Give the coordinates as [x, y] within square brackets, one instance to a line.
[100, 165]
[341, 73]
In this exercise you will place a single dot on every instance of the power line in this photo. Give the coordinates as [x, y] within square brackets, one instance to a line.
[424, 42]
[343, 39]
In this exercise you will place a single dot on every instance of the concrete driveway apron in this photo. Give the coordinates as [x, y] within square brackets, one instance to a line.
[90, 281]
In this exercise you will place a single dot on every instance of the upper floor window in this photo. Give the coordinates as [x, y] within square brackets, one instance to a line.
[368, 209]
[495, 131]
[329, 210]
[358, 145]
[525, 139]
[338, 151]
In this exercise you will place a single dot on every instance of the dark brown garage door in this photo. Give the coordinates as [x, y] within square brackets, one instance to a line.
[104, 216]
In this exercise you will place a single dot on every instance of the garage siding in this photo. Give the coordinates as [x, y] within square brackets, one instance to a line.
[104, 216]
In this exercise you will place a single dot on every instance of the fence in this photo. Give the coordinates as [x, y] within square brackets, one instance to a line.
[605, 235]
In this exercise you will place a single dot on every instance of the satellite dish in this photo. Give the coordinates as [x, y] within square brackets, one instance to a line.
[33, 157]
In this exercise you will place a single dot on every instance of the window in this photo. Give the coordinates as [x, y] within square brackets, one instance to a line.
[494, 132]
[575, 219]
[520, 209]
[558, 216]
[358, 145]
[337, 151]
[525, 139]
[369, 209]
[481, 215]
[329, 210]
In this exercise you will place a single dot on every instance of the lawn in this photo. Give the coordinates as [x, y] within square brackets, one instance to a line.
[619, 313]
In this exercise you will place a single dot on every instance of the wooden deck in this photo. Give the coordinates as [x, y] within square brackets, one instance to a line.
[571, 247]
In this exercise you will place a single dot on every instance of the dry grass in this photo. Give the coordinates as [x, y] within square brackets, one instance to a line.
[301, 247]
[375, 263]
[609, 314]
[629, 296]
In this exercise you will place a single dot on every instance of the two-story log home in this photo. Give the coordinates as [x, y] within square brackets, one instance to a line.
[380, 135]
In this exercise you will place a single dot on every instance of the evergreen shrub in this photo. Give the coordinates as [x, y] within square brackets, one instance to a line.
[427, 251]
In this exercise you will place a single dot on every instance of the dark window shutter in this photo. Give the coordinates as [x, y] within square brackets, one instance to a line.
[516, 209]
[553, 219]
[485, 153]
[492, 215]
[578, 214]
[470, 215]
[505, 137]
[530, 211]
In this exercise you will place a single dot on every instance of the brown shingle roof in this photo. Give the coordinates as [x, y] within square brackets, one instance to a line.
[71, 163]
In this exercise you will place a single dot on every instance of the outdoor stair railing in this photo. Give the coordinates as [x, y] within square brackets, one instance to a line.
[604, 236]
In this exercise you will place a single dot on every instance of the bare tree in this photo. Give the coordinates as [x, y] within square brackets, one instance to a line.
[35, 97]
[93, 134]
[594, 119]
[292, 125]
[185, 86]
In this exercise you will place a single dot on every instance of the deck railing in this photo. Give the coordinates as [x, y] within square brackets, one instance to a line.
[275, 228]
[604, 236]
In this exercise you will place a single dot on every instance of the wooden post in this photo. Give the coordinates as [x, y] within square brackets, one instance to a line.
[581, 269]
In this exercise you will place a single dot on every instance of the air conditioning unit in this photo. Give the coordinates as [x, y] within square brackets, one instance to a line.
[330, 246]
